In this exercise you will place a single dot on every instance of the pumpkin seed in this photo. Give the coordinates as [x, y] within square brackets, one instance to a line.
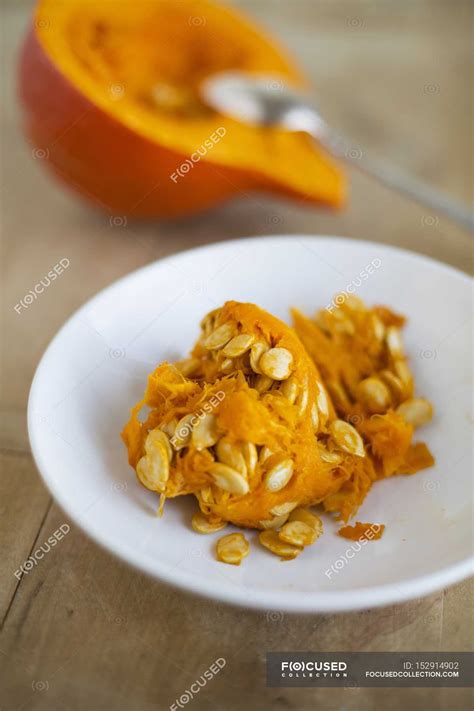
[231, 454]
[256, 352]
[229, 479]
[314, 416]
[378, 327]
[232, 548]
[394, 383]
[249, 451]
[279, 475]
[282, 509]
[270, 540]
[404, 373]
[297, 533]
[339, 396]
[158, 464]
[289, 388]
[274, 522]
[155, 438]
[227, 365]
[347, 438]
[202, 524]
[183, 432]
[374, 394]
[238, 345]
[208, 322]
[218, 338]
[153, 469]
[205, 432]
[353, 302]
[393, 339]
[302, 401]
[321, 321]
[262, 383]
[416, 411]
[145, 475]
[322, 401]
[169, 428]
[222, 497]
[276, 363]
[188, 366]
[330, 457]
[342, 324]
[264, 453]
[206, 495]
[308, 518]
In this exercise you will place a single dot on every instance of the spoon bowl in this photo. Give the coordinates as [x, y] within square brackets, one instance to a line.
[265, 100]
[260, 100]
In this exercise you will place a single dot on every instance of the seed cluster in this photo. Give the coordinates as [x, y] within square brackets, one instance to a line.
[361, 356]
[186, 450]
[302, 529]
[268, 369]
[232, 549]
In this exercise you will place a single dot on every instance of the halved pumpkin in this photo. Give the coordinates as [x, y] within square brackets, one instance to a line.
[110, 92]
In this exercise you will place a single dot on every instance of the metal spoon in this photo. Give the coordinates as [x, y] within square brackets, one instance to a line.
[266, 100]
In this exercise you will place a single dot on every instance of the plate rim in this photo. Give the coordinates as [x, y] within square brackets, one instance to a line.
[288, 601]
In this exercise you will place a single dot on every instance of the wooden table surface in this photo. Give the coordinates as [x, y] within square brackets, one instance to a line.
[82, 630]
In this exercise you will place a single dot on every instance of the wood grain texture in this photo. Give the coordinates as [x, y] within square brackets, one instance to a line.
[81, 630]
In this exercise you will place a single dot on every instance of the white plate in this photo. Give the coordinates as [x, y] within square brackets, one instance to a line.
[96, 368]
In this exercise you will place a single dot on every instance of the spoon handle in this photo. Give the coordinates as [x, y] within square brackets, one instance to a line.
[398, 180]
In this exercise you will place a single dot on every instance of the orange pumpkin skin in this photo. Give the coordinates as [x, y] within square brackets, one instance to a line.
[104, 160]
[82, 135]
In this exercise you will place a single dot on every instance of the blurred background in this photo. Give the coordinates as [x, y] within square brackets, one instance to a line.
[396, 77]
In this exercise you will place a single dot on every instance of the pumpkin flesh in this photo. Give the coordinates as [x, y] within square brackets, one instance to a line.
[360, 355]
[280, 424]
